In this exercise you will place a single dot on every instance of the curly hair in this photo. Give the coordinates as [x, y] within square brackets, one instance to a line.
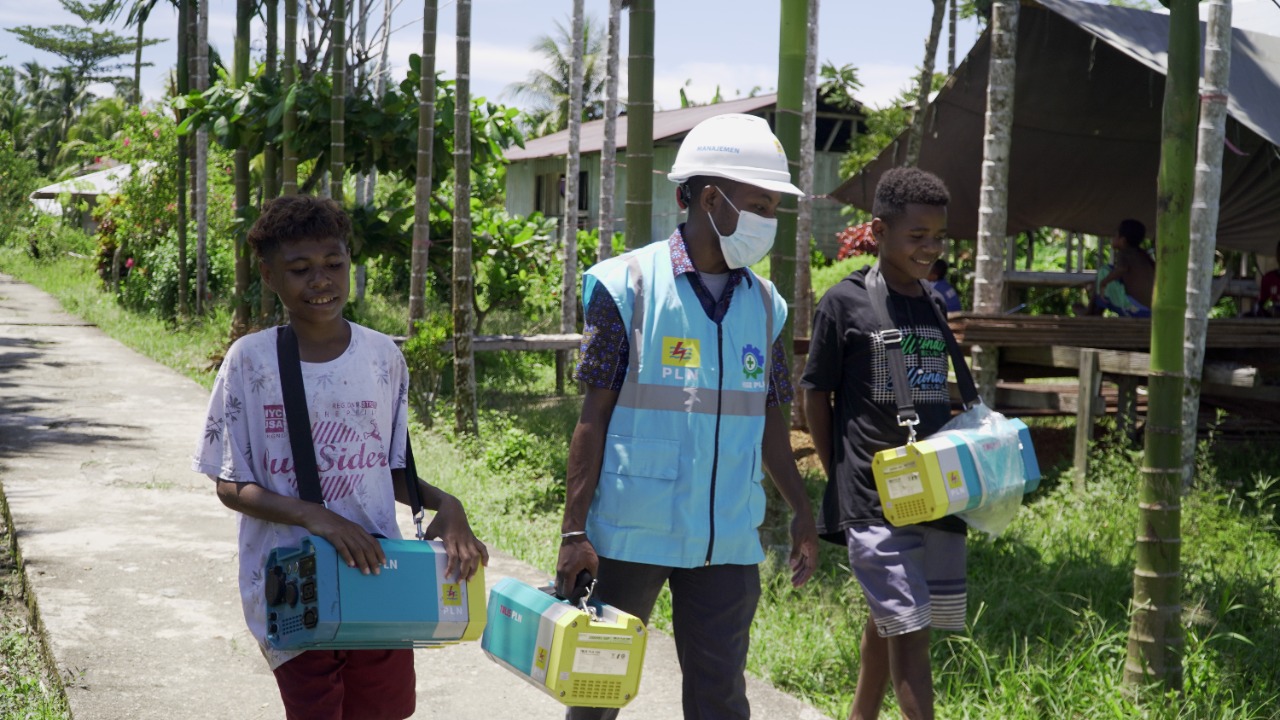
[903, 186]
[298, 217]
[1132, 231]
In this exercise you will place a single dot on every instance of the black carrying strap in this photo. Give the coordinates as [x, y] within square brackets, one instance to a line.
[297, 419]
[891, 337]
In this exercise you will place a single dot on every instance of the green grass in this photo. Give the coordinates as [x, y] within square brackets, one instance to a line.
[28, 689]
[1047, 600]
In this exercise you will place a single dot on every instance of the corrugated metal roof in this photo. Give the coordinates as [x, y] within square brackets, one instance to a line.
[666, 124]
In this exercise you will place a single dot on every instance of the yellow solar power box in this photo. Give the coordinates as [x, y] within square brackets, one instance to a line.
[582, 657]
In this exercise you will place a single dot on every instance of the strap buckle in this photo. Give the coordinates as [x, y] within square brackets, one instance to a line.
[583, 603]
[891, 336]
[417, 523]
[910, 424]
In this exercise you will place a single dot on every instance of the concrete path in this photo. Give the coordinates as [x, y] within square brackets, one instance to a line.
[132, 558]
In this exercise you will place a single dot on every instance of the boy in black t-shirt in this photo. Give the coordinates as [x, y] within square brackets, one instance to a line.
[913, 577]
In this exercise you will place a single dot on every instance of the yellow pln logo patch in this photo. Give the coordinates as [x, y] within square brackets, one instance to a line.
[451, 594]
[681, 352]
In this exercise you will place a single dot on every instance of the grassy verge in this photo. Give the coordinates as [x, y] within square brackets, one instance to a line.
[1047, 600]
[29, 688]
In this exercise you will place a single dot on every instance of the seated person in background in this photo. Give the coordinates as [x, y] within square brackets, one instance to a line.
[938, 276]
[1269, 291]
[1126, 288]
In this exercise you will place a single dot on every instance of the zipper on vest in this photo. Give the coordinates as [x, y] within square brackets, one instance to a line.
[715, 457]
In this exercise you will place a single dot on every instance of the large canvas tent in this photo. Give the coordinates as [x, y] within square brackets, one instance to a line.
[1086, 134]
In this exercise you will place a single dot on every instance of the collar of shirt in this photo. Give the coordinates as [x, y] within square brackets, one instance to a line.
[682, 265]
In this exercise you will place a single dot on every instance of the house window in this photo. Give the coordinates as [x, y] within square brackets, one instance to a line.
[549, 194]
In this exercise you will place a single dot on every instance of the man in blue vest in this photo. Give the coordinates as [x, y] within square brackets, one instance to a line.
[684, 376]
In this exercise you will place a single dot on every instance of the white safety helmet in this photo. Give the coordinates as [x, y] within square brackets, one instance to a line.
[738, 147]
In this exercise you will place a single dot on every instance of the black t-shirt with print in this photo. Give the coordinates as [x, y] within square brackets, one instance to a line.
[846, 357]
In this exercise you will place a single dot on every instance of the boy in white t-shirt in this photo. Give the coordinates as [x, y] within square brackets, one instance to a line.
[356, 388]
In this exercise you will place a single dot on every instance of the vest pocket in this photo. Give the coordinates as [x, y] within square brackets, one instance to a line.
[757, 501]
[637, 482]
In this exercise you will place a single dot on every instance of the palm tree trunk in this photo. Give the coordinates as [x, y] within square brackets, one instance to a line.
[609, 152]
[464, 372]
[568, 287]
[270, 157]
[337, 120]
[792, 54]
[182, 78]
[951, 38]
[202, 162]
[792, 58]
[1155, 630]
[289, 186]
[925, 86]
[803, 307]
[993, 211]
[422, 183]
[639, 213]
[1204, 221]
[240, 76]
[137, 61]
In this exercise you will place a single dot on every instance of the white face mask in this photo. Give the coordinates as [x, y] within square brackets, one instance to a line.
[751, 241]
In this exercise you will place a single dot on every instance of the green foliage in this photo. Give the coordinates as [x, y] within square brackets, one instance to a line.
[515, 265]
[140, 219]
[380, 133]
[428, 361]
[18, 177]
[839, 85]
[824, 278]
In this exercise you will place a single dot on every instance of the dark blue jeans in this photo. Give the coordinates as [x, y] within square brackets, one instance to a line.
[712, 608]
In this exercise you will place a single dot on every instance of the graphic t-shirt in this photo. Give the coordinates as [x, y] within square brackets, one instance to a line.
[358, 408]
[847, 358]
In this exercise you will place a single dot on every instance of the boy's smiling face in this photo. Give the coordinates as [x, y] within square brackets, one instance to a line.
[312, 278]
[910, 244]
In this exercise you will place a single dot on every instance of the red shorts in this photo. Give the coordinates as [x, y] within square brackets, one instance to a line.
[348, 684]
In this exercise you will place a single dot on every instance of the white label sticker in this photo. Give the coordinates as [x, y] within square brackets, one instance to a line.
[601, 662]
[904, 485]
[604, 639]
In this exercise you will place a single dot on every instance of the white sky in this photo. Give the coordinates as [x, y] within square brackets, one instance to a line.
[730, 43]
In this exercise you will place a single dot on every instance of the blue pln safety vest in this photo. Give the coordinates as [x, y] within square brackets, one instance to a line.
[680, 481]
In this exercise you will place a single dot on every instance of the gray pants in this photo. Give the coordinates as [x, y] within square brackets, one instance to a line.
[712, 608]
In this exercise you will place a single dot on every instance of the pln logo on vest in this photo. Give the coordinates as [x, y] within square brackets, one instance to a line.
[680, 358]
[752, 367]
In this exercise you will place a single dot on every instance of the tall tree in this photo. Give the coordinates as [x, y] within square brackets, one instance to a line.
[85, 50]
[803, 307]
[568, 288]
[1155, 630]
[993, 214]
[239, 77]
[925, 85]
[609, 151]
[201, 204]
[639, 212]
[1204, 220]
[289, 174]
[464, 371]
[422, 181]
[549, 88]
[337, 115]
[271, 152]
[951, 38]
[793, 41]
[182, 81]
